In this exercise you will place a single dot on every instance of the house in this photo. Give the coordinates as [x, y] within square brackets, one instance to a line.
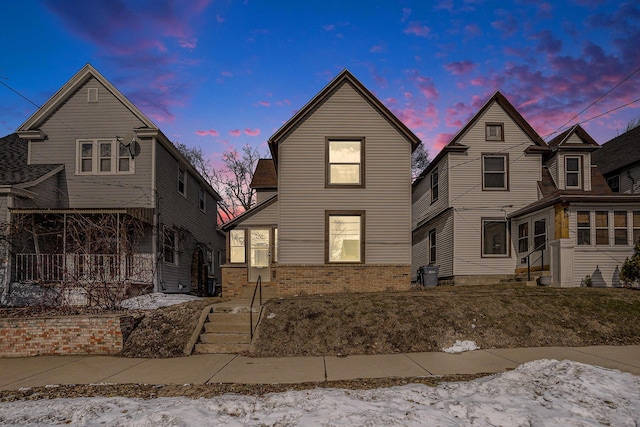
[499, 202]
[333, 211]
[93, 191]
[619, 162]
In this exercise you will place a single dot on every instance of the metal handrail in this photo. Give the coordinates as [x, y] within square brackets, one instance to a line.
[528, 257]
[258, 286]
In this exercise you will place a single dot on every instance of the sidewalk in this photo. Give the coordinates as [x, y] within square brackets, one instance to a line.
[230, 368]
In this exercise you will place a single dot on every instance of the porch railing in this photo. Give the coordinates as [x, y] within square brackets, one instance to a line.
[57, 268]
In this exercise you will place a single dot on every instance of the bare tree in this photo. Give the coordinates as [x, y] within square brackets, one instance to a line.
[419, 161]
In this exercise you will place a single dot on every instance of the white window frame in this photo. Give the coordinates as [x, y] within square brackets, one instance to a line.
[96, 158]
[507, 248]
[243, 259]
[523, 239]
[578, 172]
[170, 233]
[537, 236]
[586, 226]
[505, 172]
[182, 179]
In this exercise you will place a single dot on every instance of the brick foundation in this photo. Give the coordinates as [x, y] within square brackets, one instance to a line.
[322, 279]
[102, 334]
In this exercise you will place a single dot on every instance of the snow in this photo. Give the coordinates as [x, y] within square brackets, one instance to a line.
[461, 346]
[156, 300]
[542, 392]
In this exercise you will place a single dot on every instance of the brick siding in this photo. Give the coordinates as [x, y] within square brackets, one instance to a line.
[102, 334]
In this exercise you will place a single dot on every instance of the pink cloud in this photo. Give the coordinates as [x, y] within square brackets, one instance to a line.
[252, 132]
[426, 117]
[235, 132]
[210, 132]
[460, 67]
[417, 29]
[391, 101]
[508, 26]
[265, 103]
[473, 30]
[377, 48]
[329, 27]
[425, 84]
[226, 73]
[440, 141]
[406, 13]
[283, 102]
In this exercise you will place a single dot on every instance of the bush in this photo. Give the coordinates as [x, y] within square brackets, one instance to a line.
[630, 271]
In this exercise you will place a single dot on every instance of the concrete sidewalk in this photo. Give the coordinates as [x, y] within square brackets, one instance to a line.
[229, 368]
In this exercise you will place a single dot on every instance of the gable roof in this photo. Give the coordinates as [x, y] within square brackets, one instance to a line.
[345, 77]
[14, 169]
[621, 151]
[562, 140]
[249, 212]
[265, 175]
[500, 99]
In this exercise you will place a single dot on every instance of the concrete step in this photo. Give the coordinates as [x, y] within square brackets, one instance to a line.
[230, 318]
[242, 328]
[230, 338]
[221, 348]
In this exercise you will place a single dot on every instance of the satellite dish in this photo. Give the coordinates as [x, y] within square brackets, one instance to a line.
[133, 145]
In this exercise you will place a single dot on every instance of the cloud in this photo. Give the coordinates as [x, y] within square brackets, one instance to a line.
[252, 132]
[508, 26]
[547, 43]
[391, 101]
[329, 27]
[440, 141]
[418, 29]
[219, 19]
[473, 30]
[235, 132]
[226, 73]
[406, 13]
[425, 84]
[210, 132]
[265, 103]
[426, 117]
[460, 67]
[444, 4]
[378, 48]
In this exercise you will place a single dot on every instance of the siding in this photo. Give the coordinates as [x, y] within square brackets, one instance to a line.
[303, 198]
[471, 203]
[553, 169]
[267, 216]
[422, 208]
[549, 216]
[195, 227]
[108, 118]
[444, 246]
[47, 194]
[630, 184]
[586, 170]
[263, 195]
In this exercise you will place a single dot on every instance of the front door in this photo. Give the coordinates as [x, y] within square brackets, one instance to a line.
[260, 254]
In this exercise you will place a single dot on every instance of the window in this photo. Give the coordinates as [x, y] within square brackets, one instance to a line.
[494, 172]
[494, 238]
[614, 183]
[572, 172]
[345, 237]
[494, 132]
[620, 233]
[201, 199]
[432, 247]
[260, 247]
[636, 226]
[434, 185]
[539, 235]
[523, 237]
[584, 227]
[182, 182]
[102, 156]
[170, 245]
[602, 228]
[210, 262]
[236, 243]
[275, 245]
[345, 160]
[92, 94]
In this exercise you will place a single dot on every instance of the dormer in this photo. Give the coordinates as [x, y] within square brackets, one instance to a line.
[570, 164]
[265, 180]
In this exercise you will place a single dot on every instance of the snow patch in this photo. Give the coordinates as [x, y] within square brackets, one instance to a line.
[461, 346]
[156, 300]
[271, 316]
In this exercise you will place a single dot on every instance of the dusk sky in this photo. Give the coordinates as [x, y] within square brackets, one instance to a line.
[219, 74]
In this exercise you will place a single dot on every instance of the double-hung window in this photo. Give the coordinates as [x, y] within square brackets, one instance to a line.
[620, 233]
[584, 227]
[344, 231]
[539, 234]
[102, 156]
[495, 174]
[434, 185]
[573, 175]
[182, 181]
[495, 238]
[523, 237]
[237, 246]
[170, 245]
[602, 228]
[345, 162]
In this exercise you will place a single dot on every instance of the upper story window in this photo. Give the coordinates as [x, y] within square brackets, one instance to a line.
[202, 199]
[614, 183]
[345, 162]
[495, 174]
[102, 156]
[344, 237]
[434, 185]
[182, 182]
[573, 175]
[494, 132]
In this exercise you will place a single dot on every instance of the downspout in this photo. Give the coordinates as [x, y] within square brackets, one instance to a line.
[156, 208]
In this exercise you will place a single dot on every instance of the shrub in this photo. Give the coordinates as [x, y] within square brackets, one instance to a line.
[630, 271]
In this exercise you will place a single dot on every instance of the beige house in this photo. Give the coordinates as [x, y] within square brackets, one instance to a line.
[334, 203]
[499, 202]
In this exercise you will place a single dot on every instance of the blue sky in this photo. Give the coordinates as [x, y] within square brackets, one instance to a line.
[220, 74]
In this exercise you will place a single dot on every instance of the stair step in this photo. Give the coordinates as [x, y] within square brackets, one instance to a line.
[225, 338]
[242, 328]
[221, 348]
[229, 318]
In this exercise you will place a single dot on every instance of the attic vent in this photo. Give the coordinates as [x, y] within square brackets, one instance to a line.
[92, 94]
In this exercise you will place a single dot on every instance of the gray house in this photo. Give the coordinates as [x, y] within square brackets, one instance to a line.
[619, 162]
[499, 202]
[93, 191]
[334, 211]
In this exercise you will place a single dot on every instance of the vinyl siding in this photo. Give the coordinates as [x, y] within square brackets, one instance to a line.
[108, 118]
[263, 195]
[175, 211]
[4, 212]
[303, 197]
[585, 171]
[630, 184]
[267, 216]
[472, 204]
[422, 208]
[553, 169]
[47, 194]
[444, 246]
[536, 260]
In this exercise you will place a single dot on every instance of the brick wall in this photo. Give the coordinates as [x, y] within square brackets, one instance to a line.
[322, 279]
[101, 334]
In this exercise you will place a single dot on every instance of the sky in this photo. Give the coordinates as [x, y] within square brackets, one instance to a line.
[541, 392]
[221, 74]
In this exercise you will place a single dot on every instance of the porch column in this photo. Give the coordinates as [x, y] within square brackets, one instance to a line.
[562, 262]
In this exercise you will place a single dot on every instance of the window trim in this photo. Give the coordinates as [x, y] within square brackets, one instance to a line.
[580, 172]
[433, 246]
[578, 227]
[327, 221]
[202, 200]
[535, 236]
[602, 228]
[327, 167]
[244, 245]
[96, 157]
[505, 156]
[524, 238]
[166, 232]
[635, 227]
[507, 238]
[435, 182]
[625, 228]
[182, 172]
[487, 137]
